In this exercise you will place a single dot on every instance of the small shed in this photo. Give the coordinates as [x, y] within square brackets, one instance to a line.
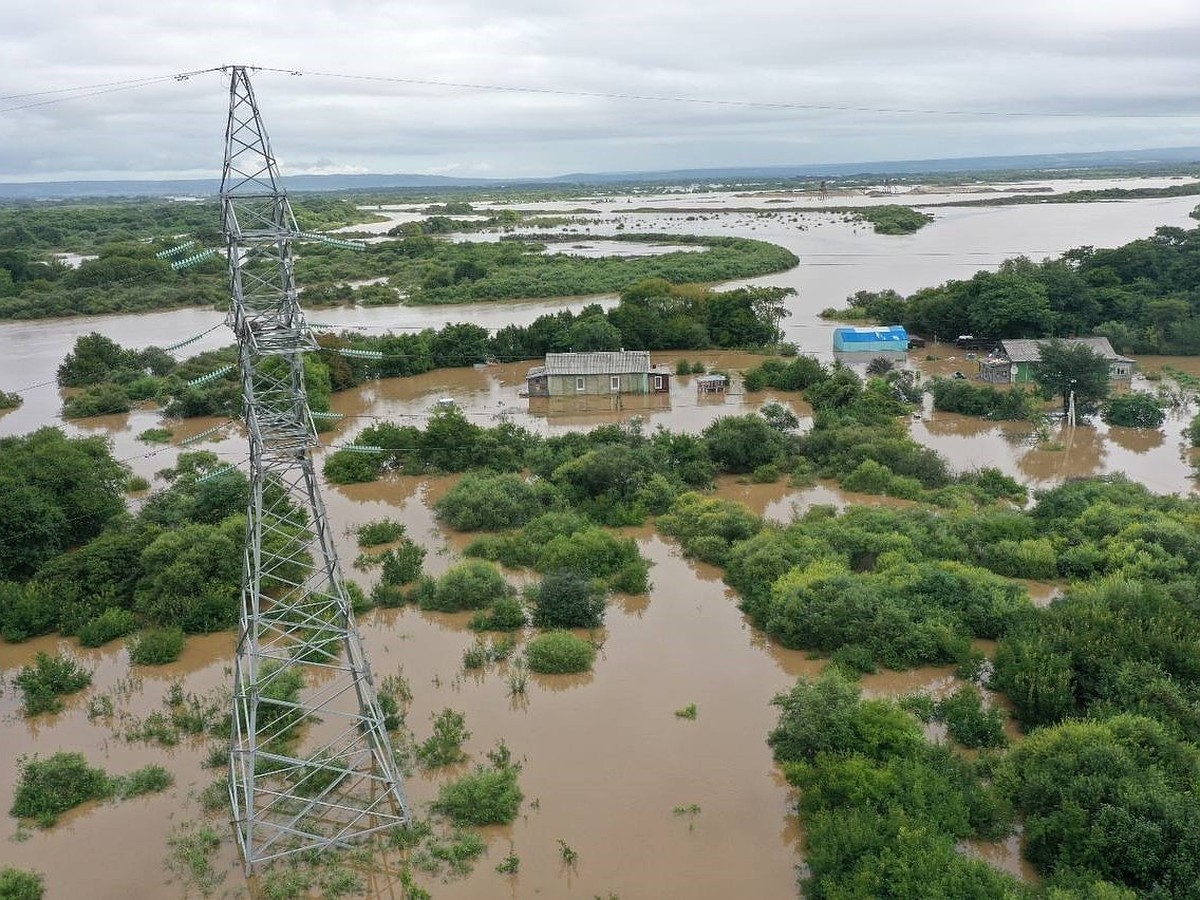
[711, 384]
[995, 369]
[870, 339]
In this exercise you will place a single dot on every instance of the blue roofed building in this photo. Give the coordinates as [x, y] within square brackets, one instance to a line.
[870, 339]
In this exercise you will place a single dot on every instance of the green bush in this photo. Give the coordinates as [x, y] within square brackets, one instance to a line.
[1030, 558]
[566, 599]
[472, 584]
[559, 652]
[146, 780]
[10, 400]
[97, 400]
[156, 646]
[828, 716]
[632, 578]
[47, 679]
[402, 564]
[47, 788]
[487, 796]
[444, 746]
[1111, 799]
[383, 531]
[506, 614]
[111, 624]
[17, 884]
[1136, 409]
[968, 722]
[959, 396]
[491, 501]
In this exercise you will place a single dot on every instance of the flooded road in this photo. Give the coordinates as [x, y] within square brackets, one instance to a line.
[606, 761]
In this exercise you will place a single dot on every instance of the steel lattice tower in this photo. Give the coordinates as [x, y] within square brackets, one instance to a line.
[310, 767]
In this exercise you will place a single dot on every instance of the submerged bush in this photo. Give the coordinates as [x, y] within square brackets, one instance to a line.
[1136, 409]
[156, 646]
[490, 501]
[487, 796]
[566, 599]
[17, 884]
[47, 679]
[47, 788]
[506, 614]
[968, 722]
[559, 652]
[472, 584]
[113, 623]
[382, 531]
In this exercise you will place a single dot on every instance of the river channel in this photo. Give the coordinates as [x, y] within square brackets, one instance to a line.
[606, 762]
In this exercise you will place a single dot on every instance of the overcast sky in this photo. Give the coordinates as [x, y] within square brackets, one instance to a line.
[1099, 59]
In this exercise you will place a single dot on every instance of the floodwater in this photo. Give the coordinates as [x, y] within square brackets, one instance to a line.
[606, 762]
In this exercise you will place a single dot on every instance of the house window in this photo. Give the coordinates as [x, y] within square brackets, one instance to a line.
[579, 384]
[614, 382]
[658, 382]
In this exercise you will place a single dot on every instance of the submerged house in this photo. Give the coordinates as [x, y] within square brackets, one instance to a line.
[1016, 360]
[870, 339]
[597, 372]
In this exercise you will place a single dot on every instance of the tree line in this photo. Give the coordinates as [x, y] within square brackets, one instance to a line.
[653, 314]
[1142, 296]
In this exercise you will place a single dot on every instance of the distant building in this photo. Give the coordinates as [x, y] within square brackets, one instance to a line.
[1018, 359]
[597, 372]
[870, 339]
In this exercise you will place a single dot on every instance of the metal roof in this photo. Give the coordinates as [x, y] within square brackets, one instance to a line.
[1024, 350]
[600, 362]
[886, 332]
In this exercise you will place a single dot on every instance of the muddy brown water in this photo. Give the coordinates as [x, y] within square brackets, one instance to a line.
[605, 760]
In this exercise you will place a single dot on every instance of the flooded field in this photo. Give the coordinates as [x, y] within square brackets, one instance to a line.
[606, 761]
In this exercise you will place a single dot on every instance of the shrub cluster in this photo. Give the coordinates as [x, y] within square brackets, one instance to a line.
[47, 679]
[559, 653]
[47, 788]
[883, 810]
[958, 396]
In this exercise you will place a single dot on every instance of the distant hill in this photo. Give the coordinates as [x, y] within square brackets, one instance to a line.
[1055, 162]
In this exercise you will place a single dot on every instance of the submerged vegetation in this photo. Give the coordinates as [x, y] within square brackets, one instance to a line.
[891, 218]
[1104, 681]
[47, 788]
[123, 266]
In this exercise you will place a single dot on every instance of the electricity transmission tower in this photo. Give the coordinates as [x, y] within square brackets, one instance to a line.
[311, 765]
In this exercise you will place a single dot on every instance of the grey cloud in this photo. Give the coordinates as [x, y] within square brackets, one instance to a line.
[1101, 58]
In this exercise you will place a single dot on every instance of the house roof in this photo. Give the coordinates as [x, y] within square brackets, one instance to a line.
[1024, 350]
[600, 362]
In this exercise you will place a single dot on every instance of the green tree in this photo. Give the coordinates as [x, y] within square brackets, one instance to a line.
[1063, 368]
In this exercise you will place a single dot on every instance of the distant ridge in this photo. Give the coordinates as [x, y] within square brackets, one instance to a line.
[204, 187]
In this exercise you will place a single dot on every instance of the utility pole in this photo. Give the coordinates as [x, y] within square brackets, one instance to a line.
[311, 765]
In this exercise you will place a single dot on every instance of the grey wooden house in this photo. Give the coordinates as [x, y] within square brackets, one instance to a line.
[597, 372]
[1016, 360]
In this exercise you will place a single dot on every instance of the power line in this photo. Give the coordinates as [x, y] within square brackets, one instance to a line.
[93, 90]
[713, 101]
